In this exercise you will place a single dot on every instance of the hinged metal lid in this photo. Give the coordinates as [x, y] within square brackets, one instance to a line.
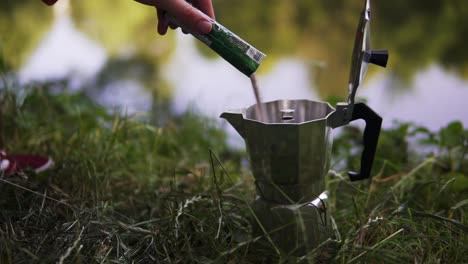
[362, 53]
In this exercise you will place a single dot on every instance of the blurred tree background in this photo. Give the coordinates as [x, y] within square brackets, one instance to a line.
[21, 29]
[417, 33]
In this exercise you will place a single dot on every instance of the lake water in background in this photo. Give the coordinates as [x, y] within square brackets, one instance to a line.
[211, 86]
[433, 99]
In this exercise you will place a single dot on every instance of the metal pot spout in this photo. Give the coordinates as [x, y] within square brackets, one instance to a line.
[236, 119]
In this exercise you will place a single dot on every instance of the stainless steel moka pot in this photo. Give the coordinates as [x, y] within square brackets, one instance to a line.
[289, 146]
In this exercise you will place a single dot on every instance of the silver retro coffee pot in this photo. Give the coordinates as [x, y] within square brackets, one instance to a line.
[289, 147]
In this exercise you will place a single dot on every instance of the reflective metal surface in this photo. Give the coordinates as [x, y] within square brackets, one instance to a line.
[289, 155]
[289, 111]
[359, 63]
[294, 228]
[363, 55]
[289, 143]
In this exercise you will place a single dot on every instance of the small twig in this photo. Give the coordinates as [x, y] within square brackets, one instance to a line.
[168, 257]
[136, 229]
[220, 197]
[71, 225]
[70, 249]
[215, 178]
[37, 193]
[429, 161]
[29, 253]
[45, 196]
[389, 178]
[376, 245]
[335, 228]
[43, 201]
[220, 221]
[436, 217]
[105, 256]
[147, 222]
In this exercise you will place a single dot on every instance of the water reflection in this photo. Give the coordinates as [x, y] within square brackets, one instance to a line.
[324, 32]
[64, 51]
[212, 85]
[433, 99]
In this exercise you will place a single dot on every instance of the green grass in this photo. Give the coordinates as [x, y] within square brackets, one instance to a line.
[124, 190]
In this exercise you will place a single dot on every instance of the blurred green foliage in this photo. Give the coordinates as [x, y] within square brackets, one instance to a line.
[123, 27]
[423, 32]
[22, 25]
[125, 190]
[417, 33]
[319, 32]
[402, 148]
[76, 129]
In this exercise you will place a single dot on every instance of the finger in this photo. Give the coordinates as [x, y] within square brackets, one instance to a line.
[206, 6]
[172, 25]
[163, 21]
[187, 15]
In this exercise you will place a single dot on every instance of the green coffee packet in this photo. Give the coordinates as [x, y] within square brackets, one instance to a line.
[231, 47]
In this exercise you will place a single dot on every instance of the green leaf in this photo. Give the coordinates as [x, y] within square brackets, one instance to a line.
[460, 204]
[459, 183]
[452, 135]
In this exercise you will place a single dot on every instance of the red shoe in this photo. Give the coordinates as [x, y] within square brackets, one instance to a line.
[12, 164]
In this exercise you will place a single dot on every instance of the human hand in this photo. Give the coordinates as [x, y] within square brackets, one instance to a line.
[184, 13]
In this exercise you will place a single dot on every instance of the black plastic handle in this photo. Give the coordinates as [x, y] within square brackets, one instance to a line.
[379, 57]
[370, 139]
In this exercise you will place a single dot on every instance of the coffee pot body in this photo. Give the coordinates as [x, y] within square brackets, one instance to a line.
[289, 143]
